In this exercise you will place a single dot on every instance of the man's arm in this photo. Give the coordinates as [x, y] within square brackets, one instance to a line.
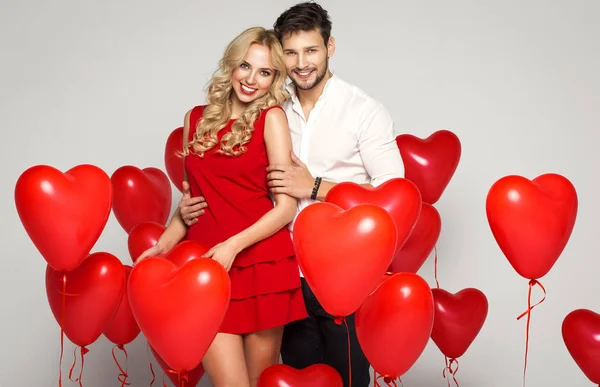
[378, 148]
[296, 181]
[379, 153]
[325, 186]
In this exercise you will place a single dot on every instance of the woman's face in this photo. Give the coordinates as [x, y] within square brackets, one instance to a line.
[253, 78]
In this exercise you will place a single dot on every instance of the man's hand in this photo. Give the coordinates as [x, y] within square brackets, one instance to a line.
[189, 207]
[294, 180]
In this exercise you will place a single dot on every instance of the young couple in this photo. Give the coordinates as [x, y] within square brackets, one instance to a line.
[257, 136]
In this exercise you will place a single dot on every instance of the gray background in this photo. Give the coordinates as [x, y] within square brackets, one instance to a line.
[105, 82]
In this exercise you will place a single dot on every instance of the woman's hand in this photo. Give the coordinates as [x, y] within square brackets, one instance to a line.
[153, 251]
[224, 253]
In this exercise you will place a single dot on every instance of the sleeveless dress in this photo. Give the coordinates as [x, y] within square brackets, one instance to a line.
[265, 278]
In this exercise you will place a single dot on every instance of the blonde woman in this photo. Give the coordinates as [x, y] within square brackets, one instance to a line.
[228, 145]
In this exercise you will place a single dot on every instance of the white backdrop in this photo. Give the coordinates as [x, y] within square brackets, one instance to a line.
[518, 82]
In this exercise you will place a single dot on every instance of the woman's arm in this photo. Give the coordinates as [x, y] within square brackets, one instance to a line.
[177, 229]
[279, 147]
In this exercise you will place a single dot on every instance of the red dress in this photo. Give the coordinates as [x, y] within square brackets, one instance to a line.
[265, 278]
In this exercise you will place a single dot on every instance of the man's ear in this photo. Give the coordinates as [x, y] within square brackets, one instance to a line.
[330, 47]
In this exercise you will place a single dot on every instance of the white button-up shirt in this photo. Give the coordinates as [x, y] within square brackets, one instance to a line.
[349, 136]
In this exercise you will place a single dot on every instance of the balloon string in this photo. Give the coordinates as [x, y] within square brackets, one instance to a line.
[123, 375]
[451, 371]
[444, 371]
[83, 351]
[389, 382]
[435, 265]
[338, 321]
[532, 283]
[181, 375]
[150, 362]
[349, 357]
[62, 326]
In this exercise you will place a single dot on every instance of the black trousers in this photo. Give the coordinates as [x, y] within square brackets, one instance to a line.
[319, 339]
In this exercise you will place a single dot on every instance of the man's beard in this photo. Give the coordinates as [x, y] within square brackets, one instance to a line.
[320, 77]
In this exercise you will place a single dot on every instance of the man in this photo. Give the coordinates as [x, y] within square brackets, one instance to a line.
[339, 134]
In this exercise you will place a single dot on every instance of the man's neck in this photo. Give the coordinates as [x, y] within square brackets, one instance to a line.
[308, 98]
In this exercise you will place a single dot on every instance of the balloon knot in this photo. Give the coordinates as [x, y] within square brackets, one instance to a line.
[338, 320]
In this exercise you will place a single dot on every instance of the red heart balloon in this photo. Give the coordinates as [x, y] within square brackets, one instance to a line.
[581, 334]
[140, 195]
[316, 375]
[458, 319]
[399, 197]
[420, 243]
[394, 324]
[179, 309]
[173, 161]
[122, 328]
[430, 163]
[142, 237]
[185, 251]
[64, 213]
[532, 221]
[343, 254]
[93, 293]
[193, 376]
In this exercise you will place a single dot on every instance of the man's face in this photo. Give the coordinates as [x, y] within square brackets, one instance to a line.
[306, 57]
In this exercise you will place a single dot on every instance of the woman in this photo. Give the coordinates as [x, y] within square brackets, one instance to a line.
[227, 146]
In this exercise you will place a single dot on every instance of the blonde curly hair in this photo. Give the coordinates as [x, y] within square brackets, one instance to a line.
[217, 113]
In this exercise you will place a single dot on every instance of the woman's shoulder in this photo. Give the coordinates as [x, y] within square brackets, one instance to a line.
[274, 108]
[194, 114]
[274, 114]
[191, 120]
[196, 110]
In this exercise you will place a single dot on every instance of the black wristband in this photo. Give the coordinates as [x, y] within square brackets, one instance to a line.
[313, 195]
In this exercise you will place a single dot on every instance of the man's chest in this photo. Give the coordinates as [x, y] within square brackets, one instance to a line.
[324, 141]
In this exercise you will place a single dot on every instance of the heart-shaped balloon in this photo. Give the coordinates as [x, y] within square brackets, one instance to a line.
[343, 254]
[140, 195]
[394, 324]
[179, 309]
[122, 329]
[185, 251]
[315, 375]
[142, 237]
[581, 334]
[193, 376]
[64, 214]
[399, 197]
[420, 243]
[458, 319]
[173, 160]
[430, 163]
[532, 221]
[93, 293]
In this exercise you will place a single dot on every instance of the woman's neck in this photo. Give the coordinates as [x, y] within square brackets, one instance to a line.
[237, 107]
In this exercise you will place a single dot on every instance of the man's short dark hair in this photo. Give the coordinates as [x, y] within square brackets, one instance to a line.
[305, 16]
